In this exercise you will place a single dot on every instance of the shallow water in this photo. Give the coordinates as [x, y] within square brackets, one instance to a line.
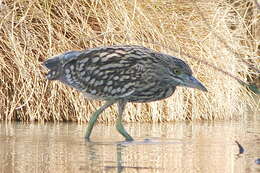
[169, 147]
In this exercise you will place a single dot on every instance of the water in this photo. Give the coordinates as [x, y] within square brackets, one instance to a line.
[170, 147]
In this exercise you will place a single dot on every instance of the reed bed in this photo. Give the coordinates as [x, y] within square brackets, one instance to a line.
[223, 33]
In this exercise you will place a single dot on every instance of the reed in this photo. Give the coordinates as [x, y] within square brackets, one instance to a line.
[223, 33]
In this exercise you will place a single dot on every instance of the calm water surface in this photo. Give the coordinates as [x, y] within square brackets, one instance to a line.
[172, 147]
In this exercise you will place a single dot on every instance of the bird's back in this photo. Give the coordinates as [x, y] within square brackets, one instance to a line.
[114, 72]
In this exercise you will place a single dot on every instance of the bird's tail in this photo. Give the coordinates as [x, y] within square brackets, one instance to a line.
[54, 65]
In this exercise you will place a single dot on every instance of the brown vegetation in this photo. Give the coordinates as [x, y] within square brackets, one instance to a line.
[223, 33]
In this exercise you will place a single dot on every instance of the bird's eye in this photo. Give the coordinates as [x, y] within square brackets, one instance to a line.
[177, 71]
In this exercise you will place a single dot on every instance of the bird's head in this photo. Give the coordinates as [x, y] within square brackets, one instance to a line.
[180, 74]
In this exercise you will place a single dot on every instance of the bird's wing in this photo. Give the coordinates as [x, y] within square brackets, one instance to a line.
[108, 74]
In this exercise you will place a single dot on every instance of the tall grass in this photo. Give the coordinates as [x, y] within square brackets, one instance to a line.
[32, 31]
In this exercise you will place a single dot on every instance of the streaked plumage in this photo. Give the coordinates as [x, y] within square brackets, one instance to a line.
[121, 74]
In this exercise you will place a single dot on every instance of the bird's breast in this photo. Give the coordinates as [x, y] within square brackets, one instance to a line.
[152, 94]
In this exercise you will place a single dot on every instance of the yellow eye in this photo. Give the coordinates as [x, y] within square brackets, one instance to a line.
[177, 71]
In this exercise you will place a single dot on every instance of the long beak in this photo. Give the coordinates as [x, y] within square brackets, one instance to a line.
[192, 82]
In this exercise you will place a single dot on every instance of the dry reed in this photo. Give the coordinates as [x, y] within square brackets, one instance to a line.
[32, 31]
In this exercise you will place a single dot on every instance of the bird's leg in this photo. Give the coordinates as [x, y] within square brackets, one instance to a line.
[94, 117]
[119, 125]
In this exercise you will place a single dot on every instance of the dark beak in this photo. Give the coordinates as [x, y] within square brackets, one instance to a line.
[192, 82]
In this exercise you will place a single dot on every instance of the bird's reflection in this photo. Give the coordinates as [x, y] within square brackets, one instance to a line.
[95, 161]
[118, 163]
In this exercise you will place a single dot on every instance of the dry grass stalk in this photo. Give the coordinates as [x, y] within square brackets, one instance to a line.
[31, 31]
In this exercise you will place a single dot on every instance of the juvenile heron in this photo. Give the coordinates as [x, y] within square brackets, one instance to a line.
[121, 74]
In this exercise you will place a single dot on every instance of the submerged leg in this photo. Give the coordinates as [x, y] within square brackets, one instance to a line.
[94, 117]
[119, 125]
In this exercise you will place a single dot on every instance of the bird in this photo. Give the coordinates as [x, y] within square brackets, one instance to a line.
[119, 74]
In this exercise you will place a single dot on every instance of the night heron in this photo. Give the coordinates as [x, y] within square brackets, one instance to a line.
[121, 74]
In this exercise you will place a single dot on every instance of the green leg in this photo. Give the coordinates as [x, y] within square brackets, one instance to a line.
[94, 117]
[119, 125]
